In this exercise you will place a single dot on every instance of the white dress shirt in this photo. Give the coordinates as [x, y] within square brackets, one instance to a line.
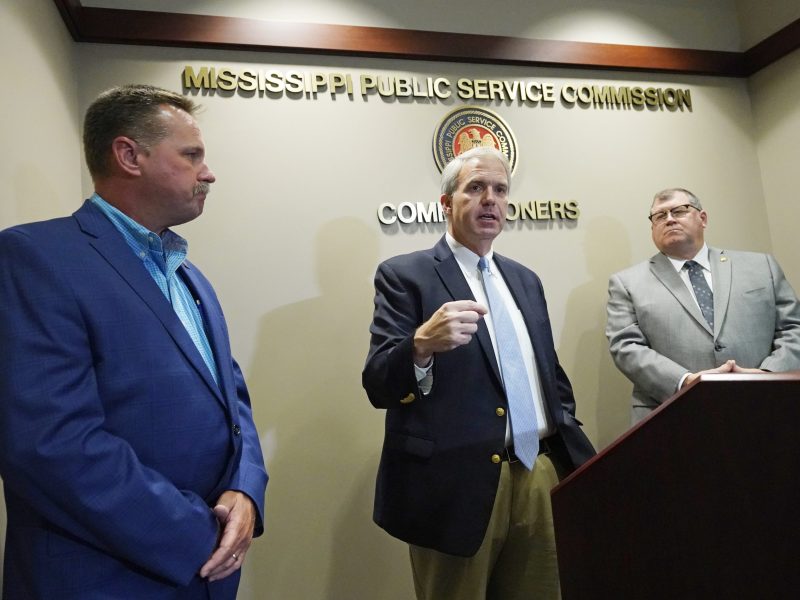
[702, 259]
[468, 262]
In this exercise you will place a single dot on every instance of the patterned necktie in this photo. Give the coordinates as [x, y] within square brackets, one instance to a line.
[515, 377]
[703, 293]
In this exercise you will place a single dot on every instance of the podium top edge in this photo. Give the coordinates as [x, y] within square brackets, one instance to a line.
[751, 377]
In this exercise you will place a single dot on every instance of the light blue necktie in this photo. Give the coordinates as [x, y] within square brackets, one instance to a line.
[703, 293]
[515, 376]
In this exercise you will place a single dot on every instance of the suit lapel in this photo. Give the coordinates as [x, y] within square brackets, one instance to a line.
[110, 244]
[458, 288]
[662, 269]
[214, 326]
[721, 278]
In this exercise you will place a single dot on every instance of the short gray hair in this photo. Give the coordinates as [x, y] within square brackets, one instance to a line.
[669, 194]
[453, 169]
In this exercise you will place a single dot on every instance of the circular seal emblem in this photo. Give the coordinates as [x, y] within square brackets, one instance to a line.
[470, 127]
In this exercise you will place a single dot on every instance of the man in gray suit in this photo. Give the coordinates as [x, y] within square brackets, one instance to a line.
[692, 309]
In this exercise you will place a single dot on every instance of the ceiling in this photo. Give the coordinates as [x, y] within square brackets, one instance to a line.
[649, 35]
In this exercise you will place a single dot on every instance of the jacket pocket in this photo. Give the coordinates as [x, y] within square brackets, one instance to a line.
[416, 446]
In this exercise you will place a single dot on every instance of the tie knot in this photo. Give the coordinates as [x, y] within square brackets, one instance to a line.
[483, 264]
[690, 264]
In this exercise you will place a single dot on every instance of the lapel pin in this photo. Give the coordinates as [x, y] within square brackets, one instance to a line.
[723, 259]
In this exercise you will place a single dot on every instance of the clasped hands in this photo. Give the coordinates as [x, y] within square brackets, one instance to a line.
[729, 366]
[451, 326]
[236, 515]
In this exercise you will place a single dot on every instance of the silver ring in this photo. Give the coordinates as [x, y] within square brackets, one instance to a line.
[234, 556]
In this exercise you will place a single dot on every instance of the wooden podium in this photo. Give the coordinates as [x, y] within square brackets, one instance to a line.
[700, 500]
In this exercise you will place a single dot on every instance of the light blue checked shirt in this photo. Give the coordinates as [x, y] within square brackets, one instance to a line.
[161, 257]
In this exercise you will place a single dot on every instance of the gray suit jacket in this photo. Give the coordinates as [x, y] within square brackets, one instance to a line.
[657, 333]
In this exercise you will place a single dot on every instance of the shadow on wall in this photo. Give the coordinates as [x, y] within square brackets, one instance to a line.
[602, 393]
[322, 438]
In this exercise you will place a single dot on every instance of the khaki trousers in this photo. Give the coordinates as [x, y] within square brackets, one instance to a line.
[517, 558]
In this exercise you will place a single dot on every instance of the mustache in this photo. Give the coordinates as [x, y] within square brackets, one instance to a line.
[202, 188]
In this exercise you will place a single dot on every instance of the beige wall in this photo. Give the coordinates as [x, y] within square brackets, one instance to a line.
[774, 92]
[291, 241]
[40, 154]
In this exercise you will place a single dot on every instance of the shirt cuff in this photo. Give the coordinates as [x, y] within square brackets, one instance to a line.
[680, 383]
[424, 377]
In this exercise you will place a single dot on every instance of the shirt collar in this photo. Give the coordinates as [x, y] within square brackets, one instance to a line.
[466, 258]
[701, 258]
[138, 236]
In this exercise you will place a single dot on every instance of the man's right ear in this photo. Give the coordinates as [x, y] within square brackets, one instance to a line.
[125, 152]
[446, 202]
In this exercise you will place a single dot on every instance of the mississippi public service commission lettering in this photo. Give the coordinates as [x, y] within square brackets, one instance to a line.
[457, 131]
[272, 83]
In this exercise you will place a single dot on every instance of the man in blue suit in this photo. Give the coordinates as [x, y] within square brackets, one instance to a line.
[130, 460]
[454, 481]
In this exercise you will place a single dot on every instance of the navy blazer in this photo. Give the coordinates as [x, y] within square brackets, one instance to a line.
[114, 438]
[436, 481]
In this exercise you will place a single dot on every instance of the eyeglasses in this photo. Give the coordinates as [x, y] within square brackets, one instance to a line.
[677, 212]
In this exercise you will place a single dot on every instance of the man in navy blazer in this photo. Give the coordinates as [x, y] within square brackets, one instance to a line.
[478, 521]
[130, 460]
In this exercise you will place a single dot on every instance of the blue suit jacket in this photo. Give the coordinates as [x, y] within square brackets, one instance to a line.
[114, 438]
[436, 481]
